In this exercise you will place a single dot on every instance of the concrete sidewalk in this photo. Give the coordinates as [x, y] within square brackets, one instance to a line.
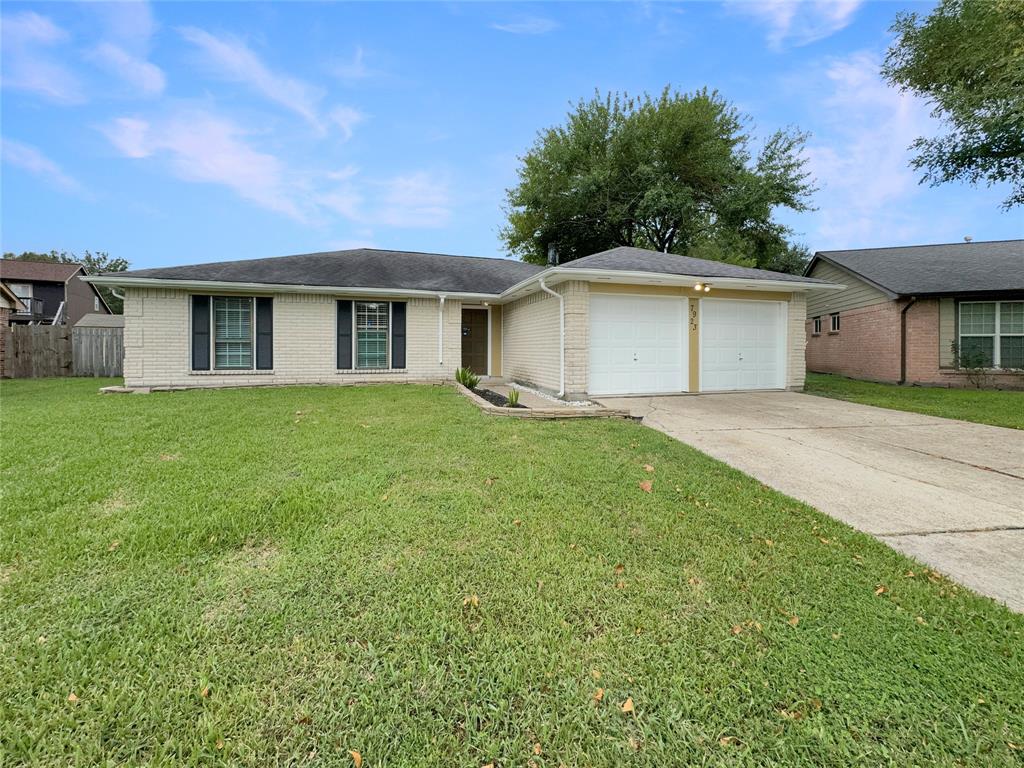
[949, 493]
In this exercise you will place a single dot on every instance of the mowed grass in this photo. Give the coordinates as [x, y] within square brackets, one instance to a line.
[1001, 408]
[279, 576]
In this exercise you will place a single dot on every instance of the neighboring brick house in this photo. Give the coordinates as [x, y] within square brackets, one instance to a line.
[623, 321]
[921, 314]
[49, 290]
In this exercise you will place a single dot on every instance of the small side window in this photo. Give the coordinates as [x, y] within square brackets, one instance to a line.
[834, 327]
[816, 327]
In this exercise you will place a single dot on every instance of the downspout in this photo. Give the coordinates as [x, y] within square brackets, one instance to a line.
[903, 339]
[440, 330]
[561, 336]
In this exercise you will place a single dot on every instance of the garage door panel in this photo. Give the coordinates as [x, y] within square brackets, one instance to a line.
[742, 345]
[636, 344]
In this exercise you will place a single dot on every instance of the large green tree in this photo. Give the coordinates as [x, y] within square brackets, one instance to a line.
[94, 263]
[675, 173]
[967, 59]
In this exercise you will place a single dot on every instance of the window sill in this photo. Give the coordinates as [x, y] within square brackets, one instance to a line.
[359, 371]
[833, 333]
[233, 372]
[815, 334]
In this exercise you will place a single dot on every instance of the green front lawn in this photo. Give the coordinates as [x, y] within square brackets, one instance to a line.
[984, 406]
[279, 576]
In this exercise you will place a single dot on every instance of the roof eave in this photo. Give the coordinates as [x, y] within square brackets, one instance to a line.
[555, 275]
[878, 286]
[226, 285]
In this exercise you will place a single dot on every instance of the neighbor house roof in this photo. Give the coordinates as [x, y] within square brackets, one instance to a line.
[921, 270]
[625, 259]
[95, 320]
[43, 271]
[360, 268]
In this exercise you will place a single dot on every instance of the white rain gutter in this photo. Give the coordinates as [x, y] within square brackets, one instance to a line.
[440, 329]
[561, 336]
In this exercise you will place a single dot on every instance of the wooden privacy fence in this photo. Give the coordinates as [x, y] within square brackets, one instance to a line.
[97, 351]
[37, 351]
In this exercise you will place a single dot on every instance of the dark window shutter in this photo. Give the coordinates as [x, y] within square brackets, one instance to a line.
[200, 333]
[264, 333]
[398, 334]
[344, 335]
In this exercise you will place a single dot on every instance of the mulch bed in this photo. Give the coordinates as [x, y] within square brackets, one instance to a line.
[495, 398]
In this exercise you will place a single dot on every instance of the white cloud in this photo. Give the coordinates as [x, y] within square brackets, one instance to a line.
[415, 200]
[30, 159]
[347, 118]
[234, 61]
[861, 159]
[129, 22]
[531, 25]
[200, 146]
[355, 69]
[799, 22]
[28, 62]
[145, 77]
[203, 147]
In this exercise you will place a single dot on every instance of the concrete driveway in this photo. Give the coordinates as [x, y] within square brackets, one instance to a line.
[949, 493]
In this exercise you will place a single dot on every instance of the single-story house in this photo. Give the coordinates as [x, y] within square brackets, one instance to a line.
[624, 321]
[921, 314]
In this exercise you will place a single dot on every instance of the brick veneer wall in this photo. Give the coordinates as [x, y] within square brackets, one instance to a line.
[866, 347]
[157, 345]
[5, 318]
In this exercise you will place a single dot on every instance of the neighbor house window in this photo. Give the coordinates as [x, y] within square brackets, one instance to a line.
[232, 325]
[992, 334]
[372, 334]
[834, 320]
[817, 326]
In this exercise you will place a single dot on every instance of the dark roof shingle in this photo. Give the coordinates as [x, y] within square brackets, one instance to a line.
[43, 271]
[952, 268]
[360, 268]
[628, 259]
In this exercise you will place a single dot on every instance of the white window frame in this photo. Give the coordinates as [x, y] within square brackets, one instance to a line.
[816, 326]
[213, 334]
[996, 334]
[833, 322]
[355, 337]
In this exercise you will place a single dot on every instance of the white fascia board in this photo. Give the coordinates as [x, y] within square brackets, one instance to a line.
[218, 285]
[555, 275]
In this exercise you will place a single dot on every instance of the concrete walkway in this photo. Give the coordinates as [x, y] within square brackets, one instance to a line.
[949, 493]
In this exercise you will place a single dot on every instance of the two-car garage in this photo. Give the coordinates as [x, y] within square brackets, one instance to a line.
[643, 344]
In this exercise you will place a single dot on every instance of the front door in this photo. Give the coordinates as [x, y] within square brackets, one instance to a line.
[474, 340]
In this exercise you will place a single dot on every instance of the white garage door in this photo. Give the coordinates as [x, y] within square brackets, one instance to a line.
[637, 345]
[742, 344]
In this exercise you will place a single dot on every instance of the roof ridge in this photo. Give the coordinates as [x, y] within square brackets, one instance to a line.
[923, 245]
[432, 253]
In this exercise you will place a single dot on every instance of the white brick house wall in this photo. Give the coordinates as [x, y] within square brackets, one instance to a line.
[796, 341]
[157, 342]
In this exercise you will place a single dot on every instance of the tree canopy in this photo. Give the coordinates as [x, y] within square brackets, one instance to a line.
[967, 59]
[94, 263]
[675, 173]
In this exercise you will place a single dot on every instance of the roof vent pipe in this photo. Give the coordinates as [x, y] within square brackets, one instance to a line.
[552, 255]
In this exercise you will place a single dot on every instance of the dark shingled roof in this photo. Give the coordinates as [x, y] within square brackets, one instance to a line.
[360, 268]
[641, 260]
[43, 271]
[953, 268]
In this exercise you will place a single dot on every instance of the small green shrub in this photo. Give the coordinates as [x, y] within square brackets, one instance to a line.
[513, 398]
[467, 378]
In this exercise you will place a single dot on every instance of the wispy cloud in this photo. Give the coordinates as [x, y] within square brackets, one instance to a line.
[143, 76]
[203, 147]
[233, 60]
[346, 118]
[197, 145]
[530, 25]
[861, 158]
[355, 69]
[30, 159]
[798, 22]
[28, 62]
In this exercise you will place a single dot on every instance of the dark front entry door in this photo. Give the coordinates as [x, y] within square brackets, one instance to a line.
[474, 340]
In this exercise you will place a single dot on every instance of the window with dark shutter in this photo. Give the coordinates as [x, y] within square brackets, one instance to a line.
[398, 334]
[200, 333]
[344, 335]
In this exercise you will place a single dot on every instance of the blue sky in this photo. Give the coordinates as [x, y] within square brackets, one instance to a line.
[171, 133]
